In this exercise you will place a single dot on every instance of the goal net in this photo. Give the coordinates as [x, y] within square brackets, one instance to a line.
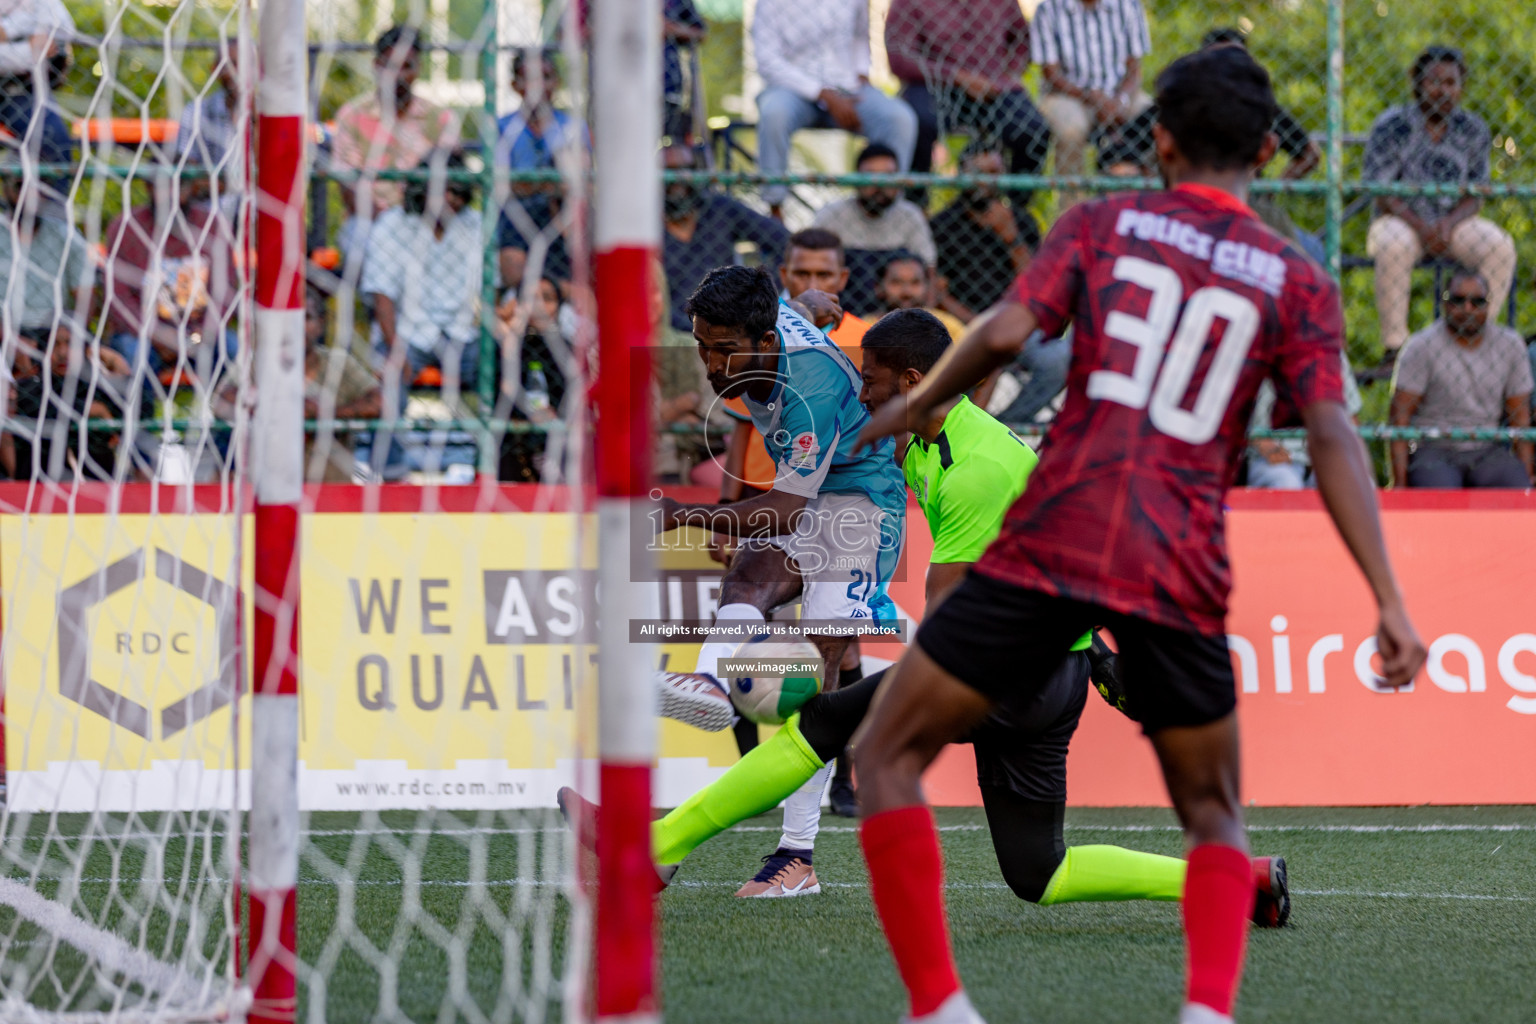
[439, 592]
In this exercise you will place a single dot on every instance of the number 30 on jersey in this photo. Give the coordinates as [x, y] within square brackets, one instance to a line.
[1160, 376]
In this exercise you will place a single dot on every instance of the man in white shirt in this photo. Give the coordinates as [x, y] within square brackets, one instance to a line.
[814, 59]
[1089, 52]
[423, 271]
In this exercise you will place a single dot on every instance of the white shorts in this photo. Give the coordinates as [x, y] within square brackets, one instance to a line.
[848, 549]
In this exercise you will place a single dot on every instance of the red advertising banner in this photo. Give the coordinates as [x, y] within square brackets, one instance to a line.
[1301, 630]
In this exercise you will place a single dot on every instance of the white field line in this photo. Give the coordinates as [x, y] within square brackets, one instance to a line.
[1357, 829]
[111, 954]
[1356, 893]
[506, 883]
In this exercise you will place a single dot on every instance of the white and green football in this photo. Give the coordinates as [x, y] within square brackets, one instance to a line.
[770, 699]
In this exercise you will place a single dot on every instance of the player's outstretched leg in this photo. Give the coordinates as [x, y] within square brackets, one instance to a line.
[1200, 764]
[757, 783]
[920, 708]
[768, 774]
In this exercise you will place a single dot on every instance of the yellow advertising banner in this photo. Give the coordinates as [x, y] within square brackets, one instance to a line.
[122, 660]
[443, 661]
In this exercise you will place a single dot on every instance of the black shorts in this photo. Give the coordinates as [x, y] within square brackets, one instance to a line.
[1000, 639]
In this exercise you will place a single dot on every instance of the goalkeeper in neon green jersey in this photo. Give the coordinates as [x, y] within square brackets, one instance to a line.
[966, 469]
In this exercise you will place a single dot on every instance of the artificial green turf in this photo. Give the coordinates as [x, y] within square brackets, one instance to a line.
[1351, 953]
[1388, 925]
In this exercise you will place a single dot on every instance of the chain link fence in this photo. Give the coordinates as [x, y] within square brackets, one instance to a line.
[1403, 156]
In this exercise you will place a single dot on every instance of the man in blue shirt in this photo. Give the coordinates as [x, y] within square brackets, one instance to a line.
[829, 531]
[535, 137]
[531, 137]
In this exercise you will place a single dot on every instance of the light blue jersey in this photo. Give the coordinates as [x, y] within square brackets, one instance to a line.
[809, 425]
[813, 417]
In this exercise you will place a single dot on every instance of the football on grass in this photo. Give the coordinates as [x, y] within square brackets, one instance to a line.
[769, 698]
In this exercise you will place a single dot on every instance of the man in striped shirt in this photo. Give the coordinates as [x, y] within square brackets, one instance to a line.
[1089, 52]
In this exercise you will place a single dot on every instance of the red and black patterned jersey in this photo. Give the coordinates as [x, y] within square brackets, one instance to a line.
[1182, 303]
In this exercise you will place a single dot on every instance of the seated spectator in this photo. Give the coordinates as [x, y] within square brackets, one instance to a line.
[387, 128]
[74, 380]
[212, 127]
[537, 347]
[55, 281]
[172, 277]
[682, 25]
[1462, 371]
[814, 60]
[679, 395]
[906, 284]
[31, 30]
[537, 133]
[960, 66]
[874, 223]
[1433, 140]
[703, 229]
[983, 243]
[422, 269]
[339, 384]
[1089, 52]
[1285, 464]
[1128, 152]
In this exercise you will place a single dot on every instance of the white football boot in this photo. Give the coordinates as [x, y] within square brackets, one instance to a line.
[695, 698]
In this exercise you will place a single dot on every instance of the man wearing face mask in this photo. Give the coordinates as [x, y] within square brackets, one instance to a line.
[703, 231]
[983, 242]
[873, 224]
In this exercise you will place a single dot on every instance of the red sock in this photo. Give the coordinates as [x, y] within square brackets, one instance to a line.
[1218, 900]
[906, 881]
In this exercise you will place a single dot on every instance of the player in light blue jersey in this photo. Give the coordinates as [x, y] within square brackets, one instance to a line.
[828, 532]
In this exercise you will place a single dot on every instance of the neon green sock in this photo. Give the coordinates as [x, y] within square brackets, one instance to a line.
[1095, 873]
[770, 772]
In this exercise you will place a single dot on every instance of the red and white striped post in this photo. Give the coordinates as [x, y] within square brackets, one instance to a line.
[626, 106]
[277, 469]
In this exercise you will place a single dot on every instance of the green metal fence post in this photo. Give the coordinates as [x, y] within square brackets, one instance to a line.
[489, 269]
[1335, 128]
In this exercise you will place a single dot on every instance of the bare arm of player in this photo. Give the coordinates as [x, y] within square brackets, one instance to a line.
[770, 514]
[994, 339]
[941, 579]
[1344, 479]
[1404, 405]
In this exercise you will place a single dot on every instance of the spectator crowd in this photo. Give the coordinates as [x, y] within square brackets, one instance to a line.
[113, 330]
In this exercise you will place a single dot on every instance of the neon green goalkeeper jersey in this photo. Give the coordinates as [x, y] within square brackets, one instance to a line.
[966, 481]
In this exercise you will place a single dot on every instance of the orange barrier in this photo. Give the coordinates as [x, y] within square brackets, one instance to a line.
[127, 131]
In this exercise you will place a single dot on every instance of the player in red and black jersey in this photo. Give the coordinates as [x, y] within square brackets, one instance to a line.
[1183, 303]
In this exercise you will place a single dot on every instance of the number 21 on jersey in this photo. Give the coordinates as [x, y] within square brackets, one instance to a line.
[1160, 376]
